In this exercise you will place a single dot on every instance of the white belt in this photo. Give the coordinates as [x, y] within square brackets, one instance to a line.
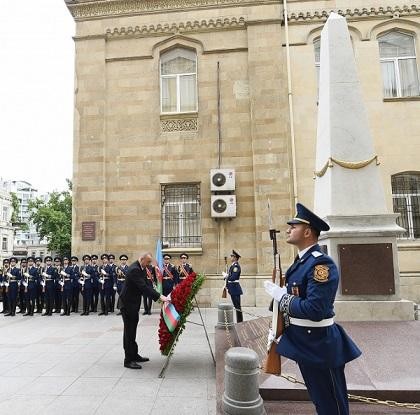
[233, 282]
[310, 323]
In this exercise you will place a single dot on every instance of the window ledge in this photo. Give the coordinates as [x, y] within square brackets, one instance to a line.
[180, 250]
[408, 245]
[401, 99]
[179, 115]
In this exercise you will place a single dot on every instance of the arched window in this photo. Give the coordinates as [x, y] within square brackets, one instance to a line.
[406, 202]
[398, 65]
[178, 81]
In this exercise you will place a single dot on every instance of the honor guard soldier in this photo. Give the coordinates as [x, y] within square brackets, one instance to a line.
[184, 268]
[95, 287]
[170, 276]
[22, 301]
[66, 286]
[4, 286]
[39, 291]
[233, 286]
[30, 283]
[151, 282]
[86, 283]
[114, 280]
[58, 294]
[105, 285]
[75, 281]
[13, 281]
[320, 347]
[121, 272]
[48, 277]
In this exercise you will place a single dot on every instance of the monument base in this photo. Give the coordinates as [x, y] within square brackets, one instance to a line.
[400, 310]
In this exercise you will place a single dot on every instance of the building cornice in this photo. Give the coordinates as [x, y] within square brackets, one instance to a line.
[176, 28]
[354, 14]
[99, 9]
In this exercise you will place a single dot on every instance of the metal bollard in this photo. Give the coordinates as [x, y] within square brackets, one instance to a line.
[241, 396]
[224, 315]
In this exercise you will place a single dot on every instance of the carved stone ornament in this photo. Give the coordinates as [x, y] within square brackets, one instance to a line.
[178, 124]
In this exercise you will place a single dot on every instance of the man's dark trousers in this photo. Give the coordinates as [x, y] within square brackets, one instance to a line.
[131, 320]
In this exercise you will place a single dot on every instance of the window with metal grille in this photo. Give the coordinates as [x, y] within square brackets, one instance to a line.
[406, 201]
[181, 215]
[398, 65]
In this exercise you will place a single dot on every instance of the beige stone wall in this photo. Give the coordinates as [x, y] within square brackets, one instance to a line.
[121, 156]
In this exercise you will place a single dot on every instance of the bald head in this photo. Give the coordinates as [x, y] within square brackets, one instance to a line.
[145, 259]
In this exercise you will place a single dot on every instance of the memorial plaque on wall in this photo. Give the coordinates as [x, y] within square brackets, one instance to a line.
[366, 269]
[88, 231]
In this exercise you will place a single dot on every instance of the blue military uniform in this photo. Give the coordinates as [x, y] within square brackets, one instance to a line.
[13, 279]
[86, 282]
[21, 292]
[234, 287]
[184, 269]
[76, 287]
[40, 297]
[95, 286]
[120, 274]
[58, 293]
[67, 287]
[170, 277]
[30, 283]
[311, 338]
[3, 290]
[48, 282]
[106, 282]
[114, 281]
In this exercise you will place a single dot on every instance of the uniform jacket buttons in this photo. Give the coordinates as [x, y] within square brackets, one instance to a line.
[309, 331]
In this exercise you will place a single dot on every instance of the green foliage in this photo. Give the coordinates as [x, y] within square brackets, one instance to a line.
[15, 206]
[52, 220]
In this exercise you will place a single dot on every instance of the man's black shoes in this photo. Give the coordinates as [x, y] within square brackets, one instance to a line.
[132, 365]
[141, 359]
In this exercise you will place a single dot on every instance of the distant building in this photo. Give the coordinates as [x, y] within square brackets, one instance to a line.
[26, 241]
[6, 228]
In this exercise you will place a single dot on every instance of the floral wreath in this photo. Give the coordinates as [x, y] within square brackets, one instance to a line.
[182, 299]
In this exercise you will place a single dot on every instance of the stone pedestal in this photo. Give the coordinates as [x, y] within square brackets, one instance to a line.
[241, 396]
[224, 315]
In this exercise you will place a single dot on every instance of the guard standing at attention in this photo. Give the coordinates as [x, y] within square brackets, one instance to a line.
[86, 282]
[48, 277]
[120, 275]
[67, 287]
[58, 294]
[105, 284]
[76, 287]
[113, 283]
[13, 280]
[184, 268]
[320, 347]
[170, 276]
[233, 286]
[30, 283]
[39, 289]
[22, 301]
[95, 286]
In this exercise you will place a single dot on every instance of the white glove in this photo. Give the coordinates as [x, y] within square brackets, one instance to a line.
[61, 283]
[43, 283]
[115, 287]
[6, 284]
[81, 282]
[225, 275]
[274, 290]
[25, 284]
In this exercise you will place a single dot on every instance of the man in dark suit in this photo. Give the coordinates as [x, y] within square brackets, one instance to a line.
[134, 287]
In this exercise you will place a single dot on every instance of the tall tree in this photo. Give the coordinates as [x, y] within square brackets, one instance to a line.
[52, 220]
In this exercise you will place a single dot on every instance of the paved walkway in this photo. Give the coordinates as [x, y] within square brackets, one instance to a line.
[74, 365]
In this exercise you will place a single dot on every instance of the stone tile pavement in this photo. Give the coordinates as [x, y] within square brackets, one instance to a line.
[74, 365]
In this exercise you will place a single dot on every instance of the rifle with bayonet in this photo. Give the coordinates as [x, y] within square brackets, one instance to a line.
[272, 363]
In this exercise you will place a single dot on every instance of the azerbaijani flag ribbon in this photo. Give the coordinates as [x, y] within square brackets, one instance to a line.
[159, 266]
[171, 316]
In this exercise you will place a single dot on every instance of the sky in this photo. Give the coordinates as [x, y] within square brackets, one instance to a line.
[36, 96]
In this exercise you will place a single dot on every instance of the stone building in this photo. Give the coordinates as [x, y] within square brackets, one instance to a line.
[166, 91]
[6, 228]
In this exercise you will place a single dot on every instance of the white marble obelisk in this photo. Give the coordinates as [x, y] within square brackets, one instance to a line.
[348, 187]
